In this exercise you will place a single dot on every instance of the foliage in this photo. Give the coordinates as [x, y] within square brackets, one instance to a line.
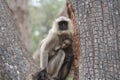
[41, 18]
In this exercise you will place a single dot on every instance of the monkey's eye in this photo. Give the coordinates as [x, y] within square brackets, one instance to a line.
[63, 25]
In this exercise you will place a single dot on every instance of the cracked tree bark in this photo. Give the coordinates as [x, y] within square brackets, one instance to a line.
[98, 23]
[15, 62]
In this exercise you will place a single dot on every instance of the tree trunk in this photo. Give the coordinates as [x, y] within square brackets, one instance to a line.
[19, 10]
[98, 26]
[15, 62]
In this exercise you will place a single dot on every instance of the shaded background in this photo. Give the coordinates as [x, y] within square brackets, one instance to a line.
[34, 18]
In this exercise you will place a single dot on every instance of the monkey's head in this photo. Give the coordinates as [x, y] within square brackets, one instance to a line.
[66, 43]
[63, 25]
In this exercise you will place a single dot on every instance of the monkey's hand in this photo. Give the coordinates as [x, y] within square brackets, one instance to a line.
[69, 58]
[41, 75]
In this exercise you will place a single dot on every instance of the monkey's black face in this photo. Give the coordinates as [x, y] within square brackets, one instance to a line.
[63, 25]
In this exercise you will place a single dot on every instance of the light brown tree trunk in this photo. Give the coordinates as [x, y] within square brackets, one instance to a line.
[19, 10]
[98, 26]
[15, 62]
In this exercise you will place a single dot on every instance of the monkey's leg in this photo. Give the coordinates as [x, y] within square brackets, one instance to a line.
[55, 64]
[43, 59]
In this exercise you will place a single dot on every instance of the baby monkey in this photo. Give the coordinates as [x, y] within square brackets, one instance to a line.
[68, 61]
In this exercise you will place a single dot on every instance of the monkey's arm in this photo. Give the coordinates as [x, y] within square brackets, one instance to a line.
[36, 55]
[47, 46]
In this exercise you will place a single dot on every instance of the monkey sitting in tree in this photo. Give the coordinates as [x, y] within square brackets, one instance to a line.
[60, 64]
[61, 30]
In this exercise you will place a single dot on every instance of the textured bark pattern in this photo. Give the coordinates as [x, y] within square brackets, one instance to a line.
[15, 64]
[19, 10]
[75, 39]
[99, 30]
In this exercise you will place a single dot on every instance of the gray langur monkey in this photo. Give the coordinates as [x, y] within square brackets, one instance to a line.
[61, 26]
